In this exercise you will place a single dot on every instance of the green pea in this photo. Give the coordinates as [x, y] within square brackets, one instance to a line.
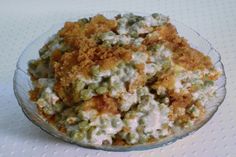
[197, 86]
[142, 91]
[43, 50]
[76, 97]
[99, 132]
[48, 110]
[191, 109]
[131, 136]
[33, 64]
[134, 34]
[143, 139]
[131, 21]
[78, 135]
[60, 123]
[98, 39]
[141, 24]
[155, 15]
[157, 46]
[40, 73]
[126, 122]
[208, 83]
[90, 131]
[139, 18]
[84, 125]
[166, 65]
[137, 42]
[120, 43]
[95, 70]
[140, 129]
[79, 114]
[86, 94]
[83, 21]
[162, 105]
[154, 47]
[110, 33]
[104, 122]
[115, 122]
[166, 100]
[132, 113]
[107, 44]
[65, 48]
[101, 90]
[58, 107]
[92, 86]
[121, 65]
[79, 86]
[118, 72]
[116, 86]
[141, 122]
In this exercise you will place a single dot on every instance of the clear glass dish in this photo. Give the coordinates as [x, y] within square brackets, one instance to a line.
[22, 85]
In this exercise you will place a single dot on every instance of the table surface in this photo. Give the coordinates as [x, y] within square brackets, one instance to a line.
[22, 21]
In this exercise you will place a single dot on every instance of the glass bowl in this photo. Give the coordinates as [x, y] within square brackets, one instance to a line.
[22, 84]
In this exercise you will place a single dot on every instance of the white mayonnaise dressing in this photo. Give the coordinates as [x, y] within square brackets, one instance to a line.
[98, 138]
[139, 57]
[152, 120]
[89, 115]
[128, 100]
[106, 126]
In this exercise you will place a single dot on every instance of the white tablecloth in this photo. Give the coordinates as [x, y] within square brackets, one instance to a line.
[22, 21]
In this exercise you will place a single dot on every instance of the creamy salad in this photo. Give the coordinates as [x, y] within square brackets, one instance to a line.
[123, 81]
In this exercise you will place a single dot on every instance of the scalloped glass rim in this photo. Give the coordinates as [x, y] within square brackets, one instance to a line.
[22, 85]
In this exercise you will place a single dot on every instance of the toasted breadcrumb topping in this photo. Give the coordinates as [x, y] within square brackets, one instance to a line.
[136, 70]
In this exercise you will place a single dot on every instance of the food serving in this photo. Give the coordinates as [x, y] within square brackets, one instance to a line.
[123, 81]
